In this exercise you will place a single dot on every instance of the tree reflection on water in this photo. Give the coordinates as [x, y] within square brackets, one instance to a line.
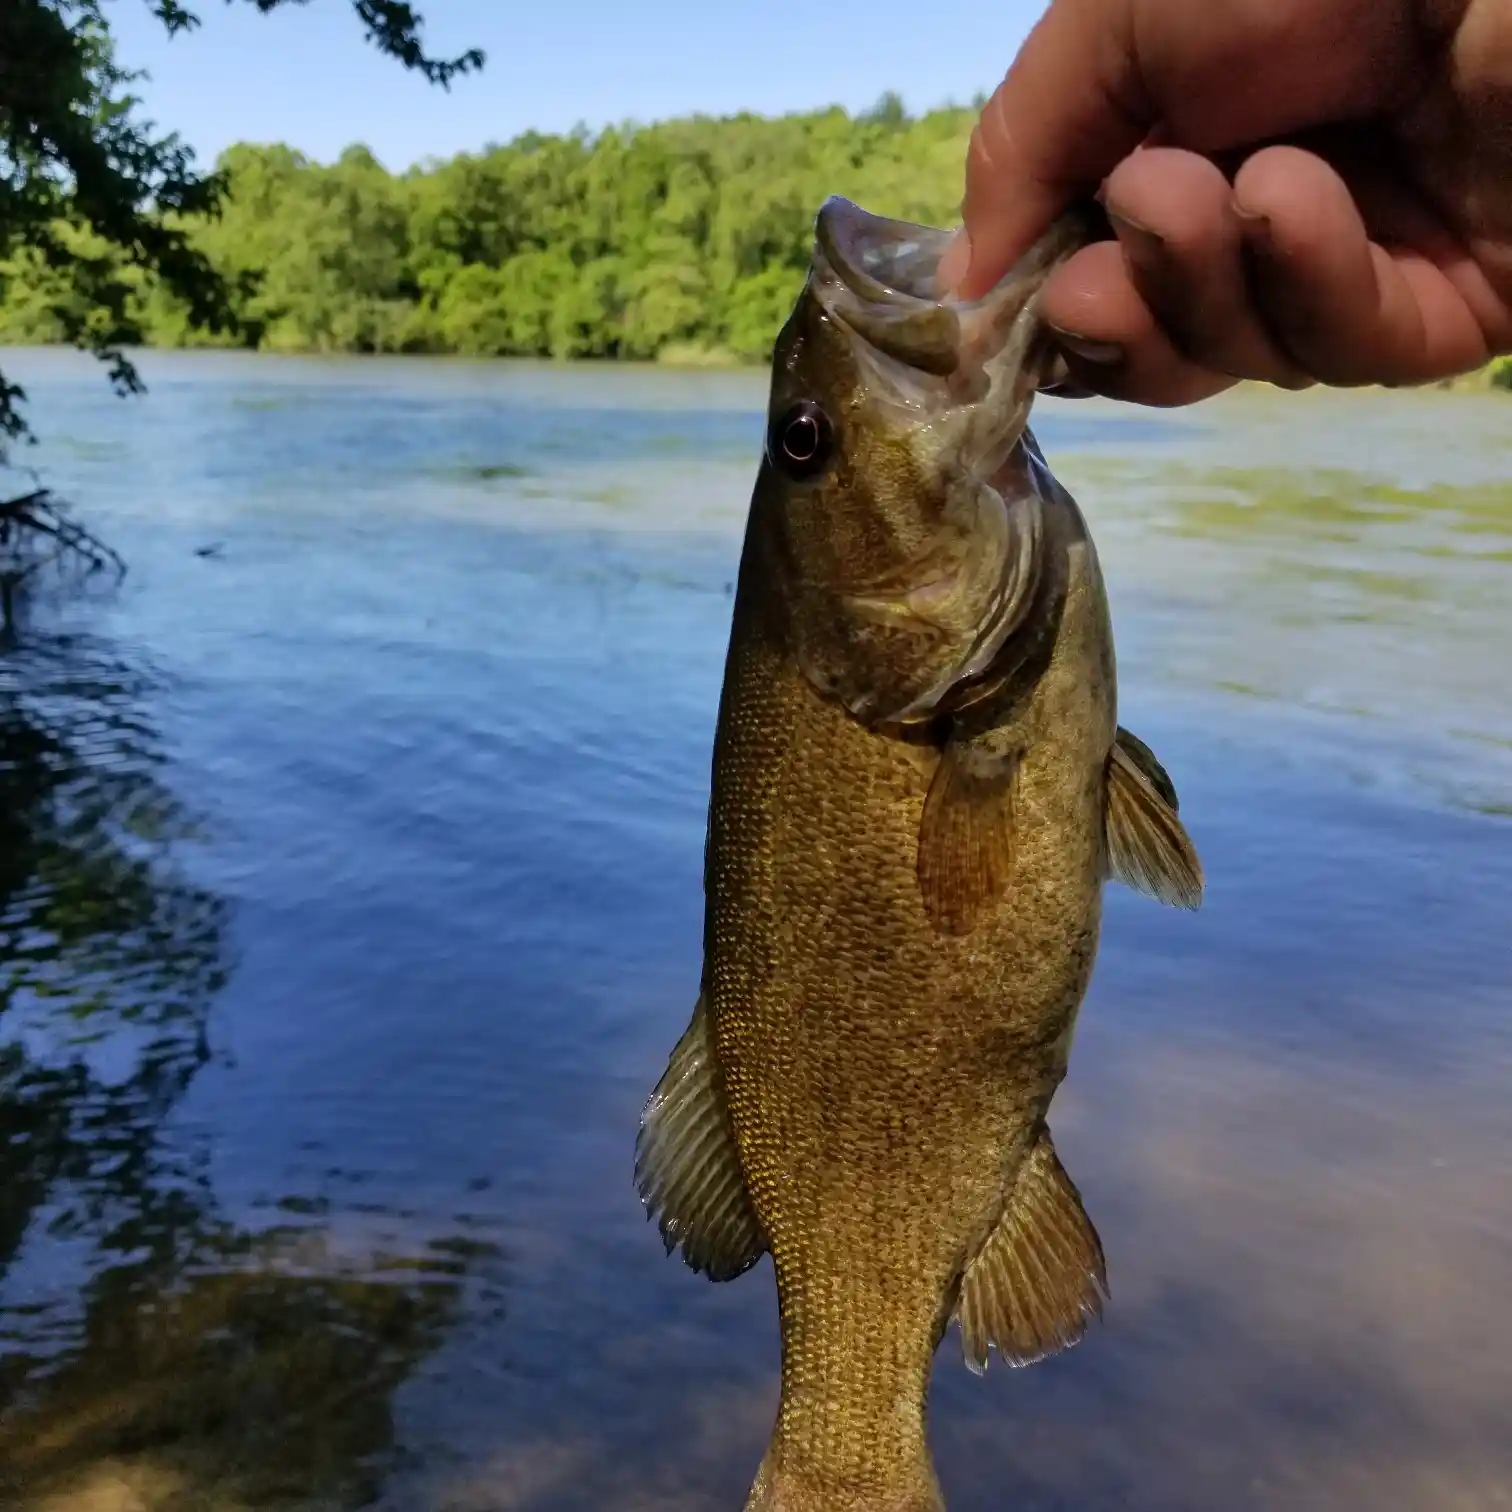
[152, 1353]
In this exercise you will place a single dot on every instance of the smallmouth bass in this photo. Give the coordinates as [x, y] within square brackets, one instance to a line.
[919, 788]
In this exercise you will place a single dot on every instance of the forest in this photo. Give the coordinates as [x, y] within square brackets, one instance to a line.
[684, 240]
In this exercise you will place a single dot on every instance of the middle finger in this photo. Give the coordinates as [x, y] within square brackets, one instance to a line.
[1174, 217]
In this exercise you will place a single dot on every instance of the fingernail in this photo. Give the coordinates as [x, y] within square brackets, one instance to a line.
[954, 263]
[1136, 235]
[1101, 353]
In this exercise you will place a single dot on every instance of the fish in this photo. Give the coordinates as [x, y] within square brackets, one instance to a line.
[919, 788]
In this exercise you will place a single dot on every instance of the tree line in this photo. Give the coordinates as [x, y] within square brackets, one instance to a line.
[683, 240]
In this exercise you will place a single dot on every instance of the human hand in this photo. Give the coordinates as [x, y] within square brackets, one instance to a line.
[1303, 191]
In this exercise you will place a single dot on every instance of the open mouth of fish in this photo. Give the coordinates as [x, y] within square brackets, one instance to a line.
[930, 353]
[960, 376]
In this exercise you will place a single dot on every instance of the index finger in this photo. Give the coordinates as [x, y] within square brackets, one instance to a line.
[1069, 110]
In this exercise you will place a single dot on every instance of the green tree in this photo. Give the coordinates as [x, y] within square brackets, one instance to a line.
[92, 198]
[679, 239]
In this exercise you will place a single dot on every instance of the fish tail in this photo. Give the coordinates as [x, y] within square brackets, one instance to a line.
[782, 1486]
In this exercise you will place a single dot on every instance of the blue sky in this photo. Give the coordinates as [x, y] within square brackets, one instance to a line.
[304, 75]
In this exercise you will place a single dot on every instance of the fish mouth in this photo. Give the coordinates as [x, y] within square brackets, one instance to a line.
[879, 277]
[880, 259]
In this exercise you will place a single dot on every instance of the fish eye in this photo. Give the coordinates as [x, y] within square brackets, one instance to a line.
[802, 440]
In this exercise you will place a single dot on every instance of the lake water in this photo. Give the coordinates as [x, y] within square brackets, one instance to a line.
[350, 878]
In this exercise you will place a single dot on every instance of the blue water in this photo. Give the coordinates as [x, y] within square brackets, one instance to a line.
[315, 1190]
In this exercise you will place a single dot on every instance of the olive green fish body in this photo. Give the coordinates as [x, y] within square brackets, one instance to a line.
[908, 838]
[866, 1053]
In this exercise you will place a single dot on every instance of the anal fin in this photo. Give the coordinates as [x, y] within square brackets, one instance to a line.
[966, 834]
[687, 1168]
[1148, 846]
[1040, 1277]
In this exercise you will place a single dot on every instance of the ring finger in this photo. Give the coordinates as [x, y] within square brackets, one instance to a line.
[1174, 216]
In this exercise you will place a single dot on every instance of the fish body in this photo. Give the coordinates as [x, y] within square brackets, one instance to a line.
[919, 788]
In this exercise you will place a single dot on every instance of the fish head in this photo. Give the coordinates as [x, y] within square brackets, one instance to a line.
[903, 489]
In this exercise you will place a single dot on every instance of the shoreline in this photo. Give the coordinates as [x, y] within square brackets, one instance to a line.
[1494, 378]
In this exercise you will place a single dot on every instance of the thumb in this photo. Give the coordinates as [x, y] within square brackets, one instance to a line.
[1070, 109]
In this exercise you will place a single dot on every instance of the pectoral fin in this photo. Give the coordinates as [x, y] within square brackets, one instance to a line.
[966, 836]
[1040, 1277]
[1148, 846]
[687, 1168]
